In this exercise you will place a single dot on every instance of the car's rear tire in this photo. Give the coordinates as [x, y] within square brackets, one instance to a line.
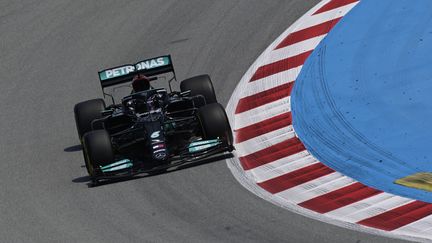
[200, 85]
[86, 112]
[214, 122]
[97, 150]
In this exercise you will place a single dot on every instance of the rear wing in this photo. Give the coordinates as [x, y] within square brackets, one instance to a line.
[125, 73]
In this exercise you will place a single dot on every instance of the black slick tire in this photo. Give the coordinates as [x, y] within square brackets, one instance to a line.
[86, 112]
[214, 122]
[200, 85]
[97, 150]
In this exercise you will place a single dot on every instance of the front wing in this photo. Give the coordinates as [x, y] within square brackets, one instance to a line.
[194, 152]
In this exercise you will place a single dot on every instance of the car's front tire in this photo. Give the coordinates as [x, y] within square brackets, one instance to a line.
[97, 149]
[214, 122]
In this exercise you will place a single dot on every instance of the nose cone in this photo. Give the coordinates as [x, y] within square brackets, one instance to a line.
[160, 155]
[159, 151]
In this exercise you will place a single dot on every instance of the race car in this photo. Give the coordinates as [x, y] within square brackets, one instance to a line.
[150, 129]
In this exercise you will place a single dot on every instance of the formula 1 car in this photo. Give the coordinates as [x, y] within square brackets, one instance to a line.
[150, 129]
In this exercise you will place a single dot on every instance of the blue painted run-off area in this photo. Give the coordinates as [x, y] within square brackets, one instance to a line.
[363, 101]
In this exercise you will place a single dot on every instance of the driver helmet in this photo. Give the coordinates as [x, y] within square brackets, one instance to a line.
[140, 83]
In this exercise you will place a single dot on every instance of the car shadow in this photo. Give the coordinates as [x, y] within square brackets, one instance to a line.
[82, 179]
[213, 159]
[74, 148]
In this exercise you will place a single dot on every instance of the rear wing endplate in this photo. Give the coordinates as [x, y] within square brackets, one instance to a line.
[125, 73]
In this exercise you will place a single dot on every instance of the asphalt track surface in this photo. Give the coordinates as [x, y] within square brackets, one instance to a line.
[50, 54]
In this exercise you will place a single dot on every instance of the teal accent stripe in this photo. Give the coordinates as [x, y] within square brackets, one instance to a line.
[122, 164]
[201, 145]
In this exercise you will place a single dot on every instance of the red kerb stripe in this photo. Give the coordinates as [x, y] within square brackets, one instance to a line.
[399, 216]
[339, 198]
[280, 66]
[272, 153]
[265, 97]
[295, 178]
[308, 33]
[263, 127]
[334, 4]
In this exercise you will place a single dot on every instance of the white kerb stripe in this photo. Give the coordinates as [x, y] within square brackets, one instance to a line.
[387, 202]
[325, 16]
[292, 50]
[262, 113]
[365, 205]
[266, 140]
[271, 81]
[286, 167]
[420, 226]
[271, 170]
[316, 187]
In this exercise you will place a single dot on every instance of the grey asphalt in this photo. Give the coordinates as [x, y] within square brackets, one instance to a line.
[50, 52]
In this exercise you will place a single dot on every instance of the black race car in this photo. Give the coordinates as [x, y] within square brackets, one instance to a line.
[150, 129]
